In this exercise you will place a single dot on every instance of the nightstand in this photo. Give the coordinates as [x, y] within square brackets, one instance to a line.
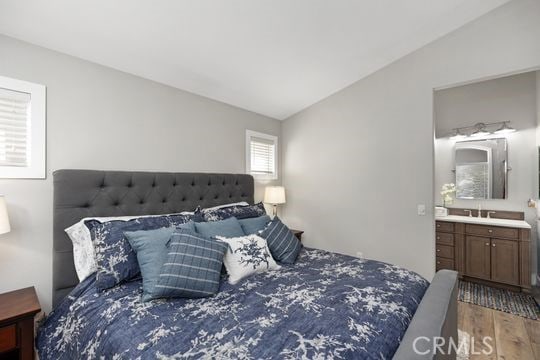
[298, 234]
[17, 312]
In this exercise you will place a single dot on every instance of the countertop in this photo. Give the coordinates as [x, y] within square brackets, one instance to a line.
[485, 221]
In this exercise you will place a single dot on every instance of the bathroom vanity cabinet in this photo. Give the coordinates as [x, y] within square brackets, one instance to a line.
[493, 251]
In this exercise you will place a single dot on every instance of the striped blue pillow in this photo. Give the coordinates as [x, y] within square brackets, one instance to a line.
[192, 268]
[282, 243]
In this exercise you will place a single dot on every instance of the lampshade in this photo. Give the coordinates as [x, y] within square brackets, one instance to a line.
[4, 218]
[274, 195]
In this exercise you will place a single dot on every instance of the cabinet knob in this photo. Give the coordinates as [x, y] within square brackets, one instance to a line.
[438, 225]
[490, 231]
[438, 250]
[493, 245]
[487, 244]
[438, 263]
[438, 238]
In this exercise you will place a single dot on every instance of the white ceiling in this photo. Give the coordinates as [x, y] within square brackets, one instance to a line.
[273, 57]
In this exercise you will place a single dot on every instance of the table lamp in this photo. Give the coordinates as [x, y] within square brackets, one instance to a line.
[274, 195]
[4, 218]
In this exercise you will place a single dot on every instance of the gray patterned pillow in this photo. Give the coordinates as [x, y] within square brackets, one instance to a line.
[237, 211]
[115, 259]
[282, 243]
[192, 268]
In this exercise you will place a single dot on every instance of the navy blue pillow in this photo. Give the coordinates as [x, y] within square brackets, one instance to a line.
[115, 259]
[192, 268]
[227, 228]
[254, 225]
[282, 243]
[237, 211]
[197, 215]
[151, 249]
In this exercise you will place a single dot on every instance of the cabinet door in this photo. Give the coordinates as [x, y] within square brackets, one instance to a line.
[505, 261]
[477, 257]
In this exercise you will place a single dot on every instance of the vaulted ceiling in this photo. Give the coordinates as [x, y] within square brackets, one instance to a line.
[274, 57]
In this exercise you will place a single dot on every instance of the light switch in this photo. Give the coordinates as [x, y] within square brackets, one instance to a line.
[421, 210]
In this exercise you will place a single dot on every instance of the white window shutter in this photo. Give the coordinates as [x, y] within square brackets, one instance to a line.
[22, 129]
[261, 155]
[14, 128]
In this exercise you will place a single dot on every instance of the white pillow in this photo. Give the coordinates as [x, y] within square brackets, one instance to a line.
[247, 255]
[84, 256]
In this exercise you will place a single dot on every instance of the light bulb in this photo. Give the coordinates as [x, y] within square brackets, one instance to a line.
[505, 129]
[458, 135]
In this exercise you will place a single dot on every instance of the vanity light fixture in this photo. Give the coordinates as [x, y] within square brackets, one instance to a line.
[481, 129]
[505, 129]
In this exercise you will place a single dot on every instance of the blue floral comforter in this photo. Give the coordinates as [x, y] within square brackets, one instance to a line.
[326, 306]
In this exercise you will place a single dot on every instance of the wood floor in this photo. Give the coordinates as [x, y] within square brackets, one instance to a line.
[513, 337]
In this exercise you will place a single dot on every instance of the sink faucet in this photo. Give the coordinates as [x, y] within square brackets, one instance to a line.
[469, 211]
[479, 211]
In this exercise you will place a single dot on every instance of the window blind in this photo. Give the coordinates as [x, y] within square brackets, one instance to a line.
[14, 128]
[262, 156]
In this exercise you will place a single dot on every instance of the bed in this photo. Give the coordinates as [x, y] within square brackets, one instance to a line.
[326, 305]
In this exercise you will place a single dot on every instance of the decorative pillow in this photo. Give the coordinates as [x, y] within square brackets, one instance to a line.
[247, 255]
[237, 211]
[197, 215]
[192, 268]
[241, 203]
[115, 259]
[151, 249]
[84, 256]
[254, 225]
[228, 228]
[282, 243]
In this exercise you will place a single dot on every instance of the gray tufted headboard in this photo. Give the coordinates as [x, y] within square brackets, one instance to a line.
[84, 193]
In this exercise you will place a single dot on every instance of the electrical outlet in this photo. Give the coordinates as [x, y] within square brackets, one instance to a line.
[421, 209]
[359, 254]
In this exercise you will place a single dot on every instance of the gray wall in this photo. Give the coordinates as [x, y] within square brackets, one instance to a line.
[508, 98]
[99, 118]
[357, 163]
[537, 178]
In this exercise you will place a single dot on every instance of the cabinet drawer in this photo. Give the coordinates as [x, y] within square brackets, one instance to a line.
[444, 251]
[442, 263]
[8, 338]
[492, 231]
[444, 239]
[444, 226]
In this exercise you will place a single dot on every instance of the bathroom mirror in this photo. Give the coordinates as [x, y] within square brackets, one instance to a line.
[481, 168]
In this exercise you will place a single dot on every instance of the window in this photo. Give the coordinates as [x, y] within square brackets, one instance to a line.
[22, 129]
[261, 155]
